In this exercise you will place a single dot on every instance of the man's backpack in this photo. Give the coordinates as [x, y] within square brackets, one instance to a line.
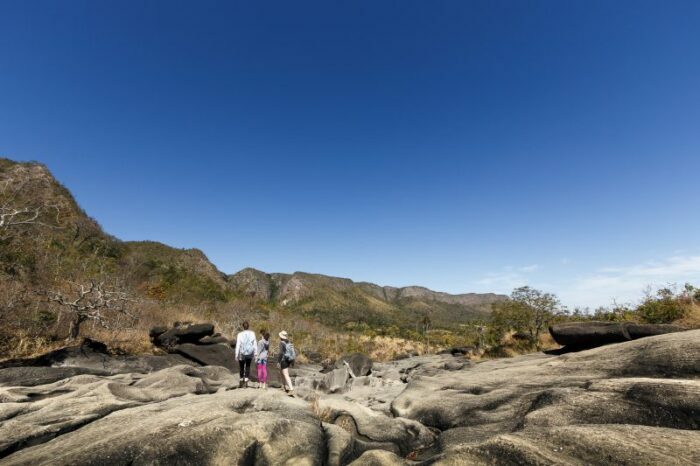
[289, 353]
[248, 345]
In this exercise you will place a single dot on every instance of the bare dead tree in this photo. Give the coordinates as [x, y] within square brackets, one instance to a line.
[92, 302]
[10, 216]
[481, 333]
[13, 214]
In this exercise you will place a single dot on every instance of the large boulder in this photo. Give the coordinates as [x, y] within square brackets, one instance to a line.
[589, 334]
[336, 381]
[360, 364]
[217, 354]
[190, 333]
[592, 334]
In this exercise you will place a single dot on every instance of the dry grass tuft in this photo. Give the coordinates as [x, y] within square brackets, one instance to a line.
[27, 346]
[322, 414]
[692, 317]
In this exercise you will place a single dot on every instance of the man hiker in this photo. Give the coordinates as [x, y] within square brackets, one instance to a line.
[246, 350]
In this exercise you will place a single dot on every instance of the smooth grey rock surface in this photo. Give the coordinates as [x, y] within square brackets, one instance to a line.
[634, 403]
[359, 363]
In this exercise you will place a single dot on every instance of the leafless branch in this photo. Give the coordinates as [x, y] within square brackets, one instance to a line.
[93, 302]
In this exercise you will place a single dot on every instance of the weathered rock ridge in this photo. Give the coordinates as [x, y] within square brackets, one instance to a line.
[296, 286]
[583, 335]
[636, 403]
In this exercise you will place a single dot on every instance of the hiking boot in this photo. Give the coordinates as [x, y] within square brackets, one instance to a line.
[240, 383]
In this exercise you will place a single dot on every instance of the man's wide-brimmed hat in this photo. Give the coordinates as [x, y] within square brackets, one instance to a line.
[283, 335]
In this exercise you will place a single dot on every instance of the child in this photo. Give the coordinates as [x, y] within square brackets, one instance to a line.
[263, 348]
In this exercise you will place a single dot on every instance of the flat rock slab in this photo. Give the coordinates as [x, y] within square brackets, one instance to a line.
[32, 415]
[233, 427]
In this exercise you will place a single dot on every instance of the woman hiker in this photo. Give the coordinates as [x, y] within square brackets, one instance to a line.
[263, 349]
[246, 350]
[286, 358]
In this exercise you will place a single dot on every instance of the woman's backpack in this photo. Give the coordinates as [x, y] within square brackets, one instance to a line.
[248, 346]
[289, 354]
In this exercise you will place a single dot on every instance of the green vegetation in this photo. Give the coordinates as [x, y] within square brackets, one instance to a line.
[49, 248]
[62, 249]
[528, 310]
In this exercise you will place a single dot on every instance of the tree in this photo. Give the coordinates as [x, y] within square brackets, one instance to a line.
[527, 310]
[13, 214]
[690, 293]
[91, 302]
[663, 308]
[425, 324]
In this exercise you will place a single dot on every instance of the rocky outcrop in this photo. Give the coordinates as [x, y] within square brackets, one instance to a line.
[229, 427]
[505, 407]
[592, 334]
[635, 403]
[253, 283]
[315, 292]
[179, 334]
[218, 354]
[360, 364]
[197, 343]
[37, 414]
[88, 357]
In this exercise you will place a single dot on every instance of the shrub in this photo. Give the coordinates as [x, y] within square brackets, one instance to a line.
[663, 308]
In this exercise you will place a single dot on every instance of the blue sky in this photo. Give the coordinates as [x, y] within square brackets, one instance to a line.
[463, 146]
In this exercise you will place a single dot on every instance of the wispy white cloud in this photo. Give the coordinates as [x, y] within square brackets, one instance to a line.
[627, 283]
[508, 278]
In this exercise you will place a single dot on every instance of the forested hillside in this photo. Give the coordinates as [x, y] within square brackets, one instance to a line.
[56, 264]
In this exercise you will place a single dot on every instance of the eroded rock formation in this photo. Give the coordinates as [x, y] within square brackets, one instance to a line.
[635, 403]
[584, 335]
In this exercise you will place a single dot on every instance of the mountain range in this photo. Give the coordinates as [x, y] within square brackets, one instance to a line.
[63, 245]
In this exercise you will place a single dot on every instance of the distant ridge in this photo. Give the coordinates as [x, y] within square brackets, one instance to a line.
[77, 249]
[341, 299]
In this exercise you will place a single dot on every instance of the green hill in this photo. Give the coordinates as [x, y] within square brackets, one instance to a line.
[340, 301]
[48, 244]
